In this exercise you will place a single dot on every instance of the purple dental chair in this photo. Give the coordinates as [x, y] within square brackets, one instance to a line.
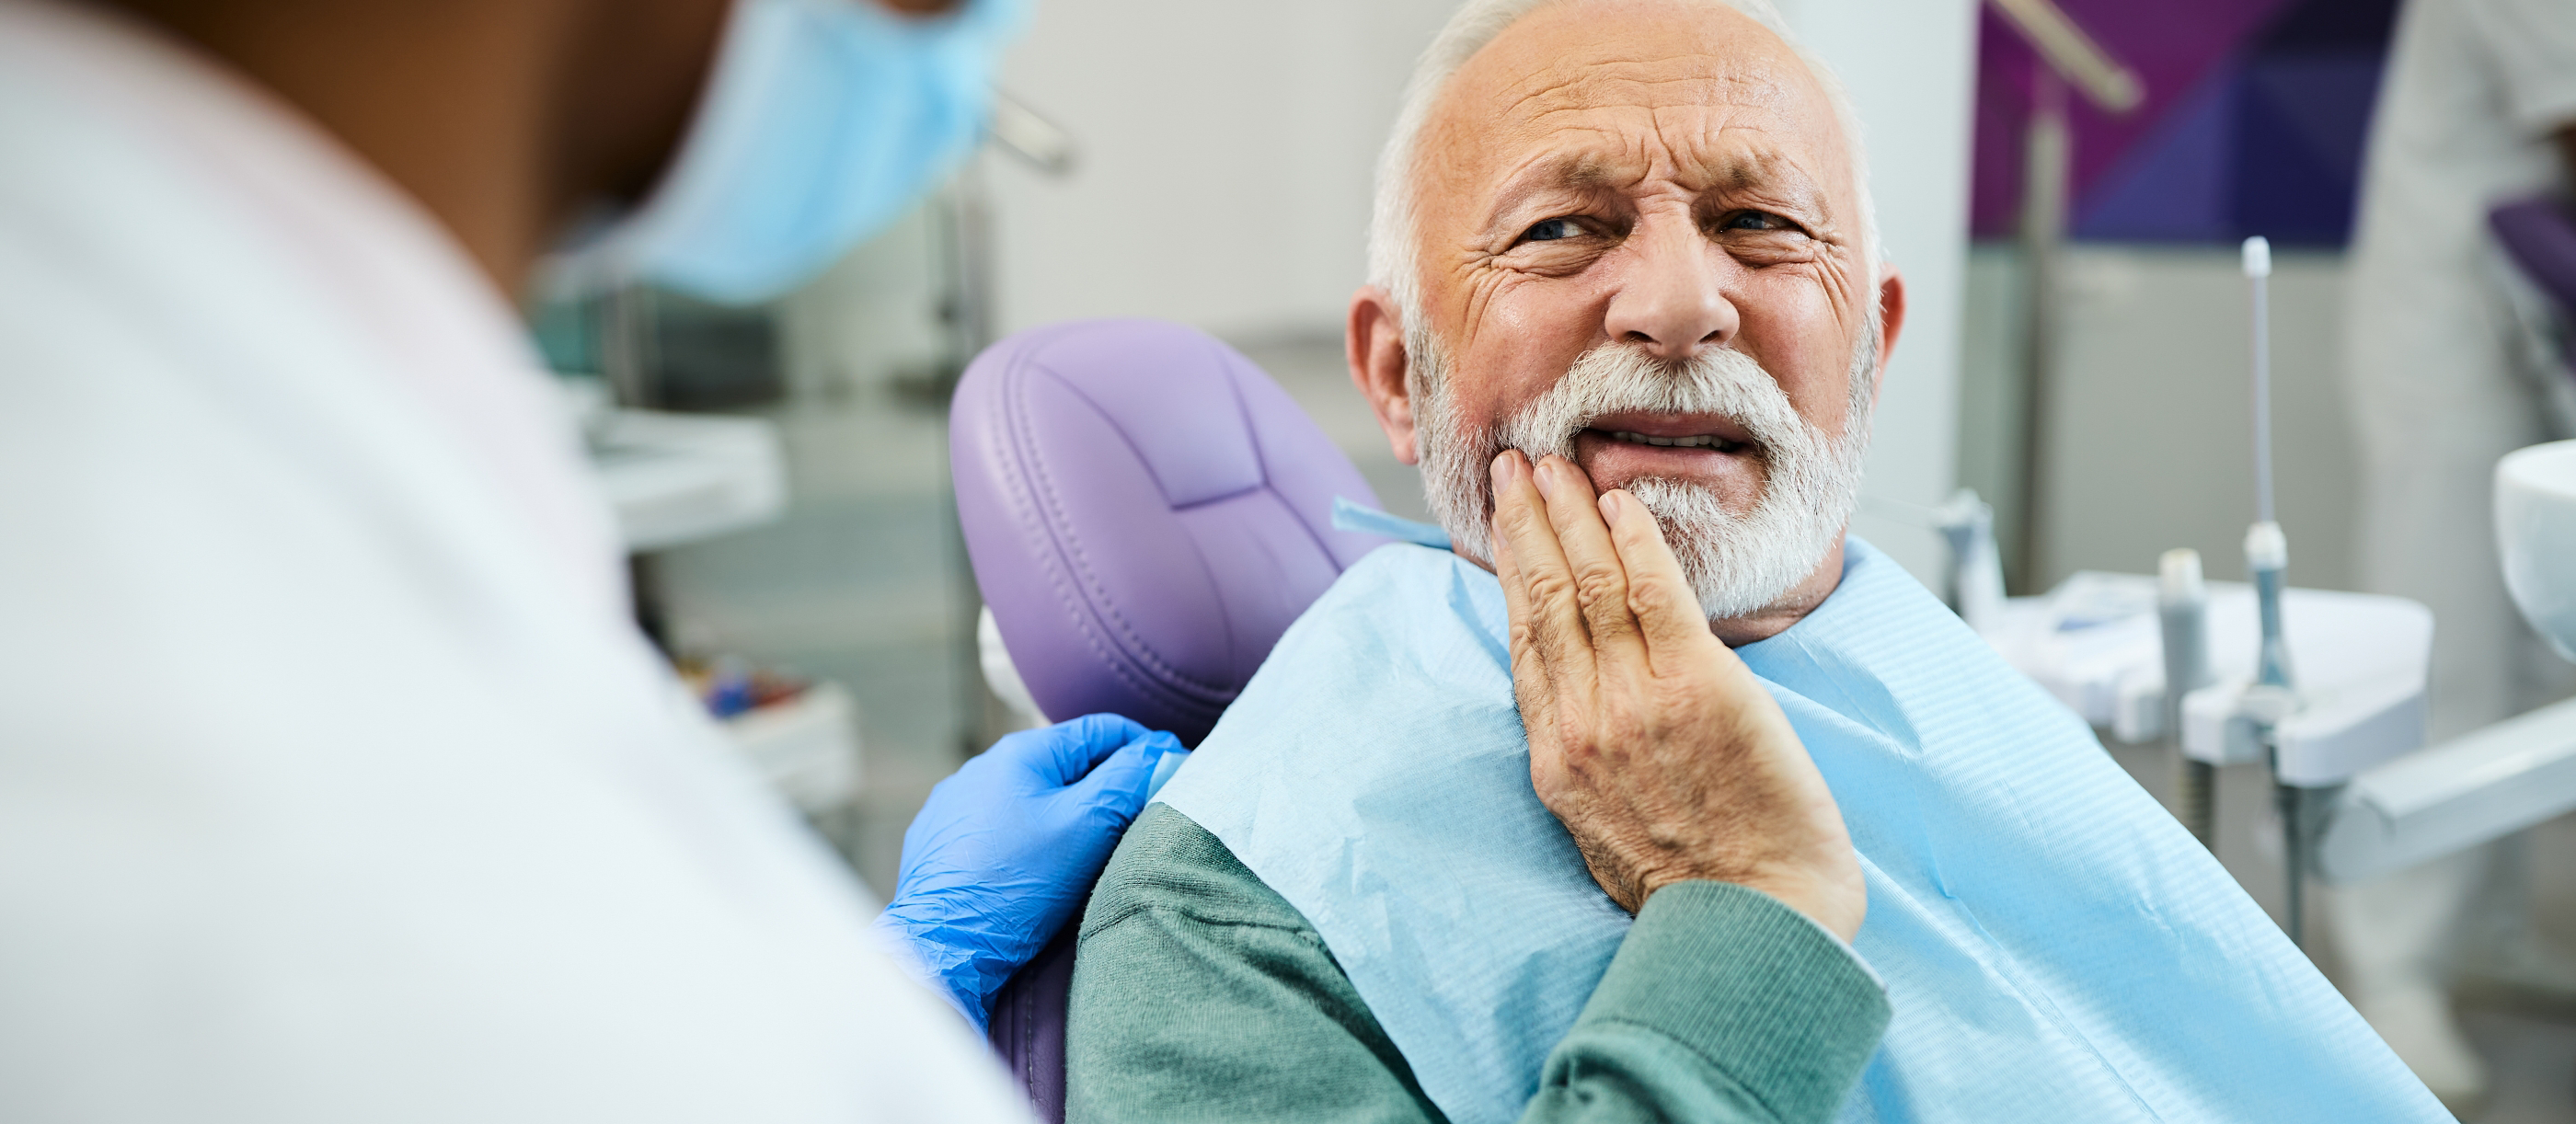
[1146, 512]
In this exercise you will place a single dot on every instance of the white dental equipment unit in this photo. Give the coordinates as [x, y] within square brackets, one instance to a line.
[2359, 794]
[2500, 779]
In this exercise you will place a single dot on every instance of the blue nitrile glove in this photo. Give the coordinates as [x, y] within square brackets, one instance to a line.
[1007, 847]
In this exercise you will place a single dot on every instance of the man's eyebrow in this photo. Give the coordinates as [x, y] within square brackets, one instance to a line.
[1767, 174]
[1582, 173]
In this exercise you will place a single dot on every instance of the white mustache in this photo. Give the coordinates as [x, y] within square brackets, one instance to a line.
[1619, 379]
[1738, 563]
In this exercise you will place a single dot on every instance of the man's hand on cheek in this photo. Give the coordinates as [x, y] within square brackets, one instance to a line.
[1663, 756]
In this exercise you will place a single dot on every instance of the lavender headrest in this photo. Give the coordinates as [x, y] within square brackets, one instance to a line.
[1146, 512]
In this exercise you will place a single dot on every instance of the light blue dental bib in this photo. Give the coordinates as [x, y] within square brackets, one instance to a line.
[2055, 946]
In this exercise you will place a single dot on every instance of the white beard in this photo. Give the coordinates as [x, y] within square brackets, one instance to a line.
[1738, 565]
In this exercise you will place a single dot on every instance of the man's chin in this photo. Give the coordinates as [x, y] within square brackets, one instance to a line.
[1741, 567]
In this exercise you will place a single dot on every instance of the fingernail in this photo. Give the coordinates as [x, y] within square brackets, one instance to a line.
[1545, 474]
[1610, 506]
[1502, 470]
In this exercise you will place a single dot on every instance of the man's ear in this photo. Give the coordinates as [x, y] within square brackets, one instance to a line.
[1374, 343]
[1891, 320]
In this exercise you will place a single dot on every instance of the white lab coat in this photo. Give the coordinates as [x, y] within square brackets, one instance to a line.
[2446, 372]
[335, 784]
[2443, 377]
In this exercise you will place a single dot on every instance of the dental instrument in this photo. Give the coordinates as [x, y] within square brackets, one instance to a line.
[2267, 558]
[2182, 606]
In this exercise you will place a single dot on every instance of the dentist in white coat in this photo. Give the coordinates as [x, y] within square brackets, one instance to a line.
[2478, 109]
[335, 782]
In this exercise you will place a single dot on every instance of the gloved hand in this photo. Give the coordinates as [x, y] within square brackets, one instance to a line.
[1007, 848]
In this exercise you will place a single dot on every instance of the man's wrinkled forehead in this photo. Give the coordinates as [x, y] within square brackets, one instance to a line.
[1602, 94]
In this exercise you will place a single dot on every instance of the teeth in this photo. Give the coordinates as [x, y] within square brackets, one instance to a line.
[1703, 441]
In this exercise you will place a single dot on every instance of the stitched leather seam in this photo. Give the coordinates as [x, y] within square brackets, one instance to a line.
[1077, 587]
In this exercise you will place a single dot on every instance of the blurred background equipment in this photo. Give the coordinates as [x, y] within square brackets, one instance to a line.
[2448, 366]
[674, 479]
[2067, 57]
[2102, 401]
[2250, 119]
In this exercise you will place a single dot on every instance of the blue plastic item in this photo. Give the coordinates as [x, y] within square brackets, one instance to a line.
[823, 121]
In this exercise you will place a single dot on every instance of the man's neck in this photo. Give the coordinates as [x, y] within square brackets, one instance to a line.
[1791, 608]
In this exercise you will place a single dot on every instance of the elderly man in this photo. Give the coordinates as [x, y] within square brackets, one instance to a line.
[1630, 239]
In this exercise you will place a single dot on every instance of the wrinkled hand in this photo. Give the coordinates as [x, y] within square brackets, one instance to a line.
[1006, 849]
[1658, 749]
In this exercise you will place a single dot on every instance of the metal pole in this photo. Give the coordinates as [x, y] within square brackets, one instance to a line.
[2062, 53]
[2294, 851]
[2047, 154]
[1047, 148]
[625, 322]
[969, 314]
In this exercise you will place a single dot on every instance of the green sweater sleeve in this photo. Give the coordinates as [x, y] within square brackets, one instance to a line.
[1199, 994]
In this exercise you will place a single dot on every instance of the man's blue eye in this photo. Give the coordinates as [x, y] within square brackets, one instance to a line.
[1550, 231]
[1753, 220]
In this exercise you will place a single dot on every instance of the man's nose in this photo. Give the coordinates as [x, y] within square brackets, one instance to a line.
[1673, 302]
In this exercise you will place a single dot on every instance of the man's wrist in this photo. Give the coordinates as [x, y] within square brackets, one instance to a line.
[1836, 910]
[1760, 994]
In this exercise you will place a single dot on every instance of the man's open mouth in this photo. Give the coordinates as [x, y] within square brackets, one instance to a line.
[1692, 441]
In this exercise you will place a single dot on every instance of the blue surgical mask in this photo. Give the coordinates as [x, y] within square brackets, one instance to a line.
[822, 122]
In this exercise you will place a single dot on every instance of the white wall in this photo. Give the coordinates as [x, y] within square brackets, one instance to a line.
[1228, 149]
[2149, 439]
[872, 317]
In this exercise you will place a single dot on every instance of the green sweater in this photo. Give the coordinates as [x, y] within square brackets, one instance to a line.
[1200, 994]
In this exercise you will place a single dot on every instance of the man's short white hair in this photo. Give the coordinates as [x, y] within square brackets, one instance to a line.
[1395, 227]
